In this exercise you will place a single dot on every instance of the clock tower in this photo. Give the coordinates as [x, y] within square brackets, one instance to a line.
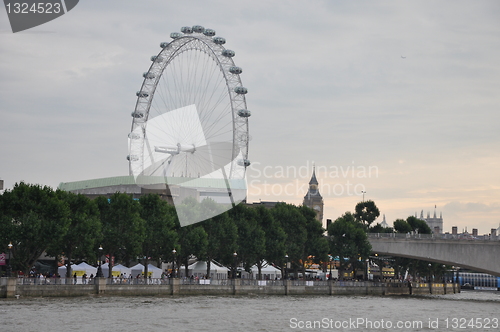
[313, 198]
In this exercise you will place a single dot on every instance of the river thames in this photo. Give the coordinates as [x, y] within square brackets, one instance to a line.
[479, 311]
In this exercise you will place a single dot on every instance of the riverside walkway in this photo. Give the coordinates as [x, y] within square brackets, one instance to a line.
[62, 287]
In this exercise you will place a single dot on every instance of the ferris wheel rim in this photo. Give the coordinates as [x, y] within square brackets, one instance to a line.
[235, 91]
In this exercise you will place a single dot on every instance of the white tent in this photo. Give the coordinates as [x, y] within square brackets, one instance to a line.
[79, 270]
[199, 269]
[88, 269]
[153, 271]
[117, 270]
[62, 270]
[268, 271]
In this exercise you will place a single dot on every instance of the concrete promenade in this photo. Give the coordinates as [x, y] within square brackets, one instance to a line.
[12, 288]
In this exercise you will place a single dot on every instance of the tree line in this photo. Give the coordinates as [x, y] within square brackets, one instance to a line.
[37, 219]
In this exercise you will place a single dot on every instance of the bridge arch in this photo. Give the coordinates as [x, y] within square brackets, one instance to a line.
[477, 255]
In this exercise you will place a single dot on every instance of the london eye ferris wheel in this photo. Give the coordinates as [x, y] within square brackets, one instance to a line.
[191, 118]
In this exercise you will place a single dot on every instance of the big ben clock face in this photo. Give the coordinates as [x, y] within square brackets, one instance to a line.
[317, 207]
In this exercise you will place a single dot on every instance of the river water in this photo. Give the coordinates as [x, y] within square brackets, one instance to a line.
[467, 311]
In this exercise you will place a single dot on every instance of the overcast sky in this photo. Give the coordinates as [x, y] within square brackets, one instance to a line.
[406, 93]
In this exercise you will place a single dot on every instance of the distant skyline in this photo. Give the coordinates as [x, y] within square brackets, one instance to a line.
[409, 89]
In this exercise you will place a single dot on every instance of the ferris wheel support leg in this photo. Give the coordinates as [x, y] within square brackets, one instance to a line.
[228, 187]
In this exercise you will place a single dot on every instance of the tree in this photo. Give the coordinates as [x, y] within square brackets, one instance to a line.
[348, 241]
[222, 235]
[316, 244]
[274, 238]
[418, 225]
[379, 229]
[122, 225]
[402, 226]
[36, 219]
[159, 223]
[192, 242]
[251, 236]
[295, 226]
[366, 212]
[84, 232]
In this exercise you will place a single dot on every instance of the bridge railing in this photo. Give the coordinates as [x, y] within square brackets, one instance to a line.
[416, 236]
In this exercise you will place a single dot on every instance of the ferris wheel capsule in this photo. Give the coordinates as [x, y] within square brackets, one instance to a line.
[219, 40]
[142, 94]
[235, 70]
[187, 30]
[244, 162]
[148, 75]
[138, 115]
[241, 90]
[209, 32]
[156, 58]
[244, 113]
[175, 35]
[164, 44]
[133, 135]
[198, 28]
[228, 53]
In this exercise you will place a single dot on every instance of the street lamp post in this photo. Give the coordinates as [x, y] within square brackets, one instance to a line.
[9, 267]
[99, 269]
[286, 267]
[430, 276]
[331, 260]
[235, 255]
[173, 263]
[363, 192]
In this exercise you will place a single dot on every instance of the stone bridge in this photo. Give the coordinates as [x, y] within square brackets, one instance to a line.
[479, 255]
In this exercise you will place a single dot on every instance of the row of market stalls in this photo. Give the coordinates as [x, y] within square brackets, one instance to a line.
[197, 270]
[117, 270]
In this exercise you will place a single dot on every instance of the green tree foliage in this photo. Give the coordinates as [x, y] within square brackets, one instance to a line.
[38, 219]
[192, 242]
[160, 235]
[251, 236]
[294, 224]
[418, 225]
[401, 226]
[275, 239]
[348, 241]
[412, 224]
[83, 235]
[222, 235]
[317, 244]
[379, 229]
[366, 212]
[35, 219]
[122, 226]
